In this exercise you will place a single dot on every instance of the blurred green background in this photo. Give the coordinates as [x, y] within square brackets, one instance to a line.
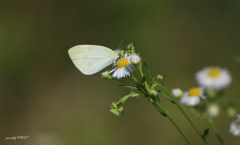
[45, 97]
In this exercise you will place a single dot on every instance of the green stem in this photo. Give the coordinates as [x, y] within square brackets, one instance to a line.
[123, 82]
[184, 113]
[140, 69]
[123, 99]
[142, 75]
[133, 77]
[210, 121]
[159, 107]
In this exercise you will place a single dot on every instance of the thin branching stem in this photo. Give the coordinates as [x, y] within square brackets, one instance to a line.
[159, 107]
[134, 78]
[210, 121]
[184, 113]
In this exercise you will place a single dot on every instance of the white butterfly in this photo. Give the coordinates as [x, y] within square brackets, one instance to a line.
[90, 59]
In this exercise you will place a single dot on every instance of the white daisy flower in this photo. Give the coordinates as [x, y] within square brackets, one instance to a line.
[235, 127]
[135, 59]
[213, 77]
[213, 110]
[124, 67]
[192, 97]
[177, 92]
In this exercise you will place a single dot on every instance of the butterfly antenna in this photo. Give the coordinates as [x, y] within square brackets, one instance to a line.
[120, 42]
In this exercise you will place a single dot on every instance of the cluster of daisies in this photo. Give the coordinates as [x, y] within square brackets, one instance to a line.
[205, 98]
[123, 66]
[209, 78]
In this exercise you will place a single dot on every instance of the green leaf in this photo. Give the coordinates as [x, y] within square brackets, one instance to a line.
[165, 77]
[114, 112]
[147, 74]
[159, 90]
[205, 133]
[143, 80]
[141, 88]
[162, 112]
[166, 96]
[155, 98]
[160, 109]
[127, 86]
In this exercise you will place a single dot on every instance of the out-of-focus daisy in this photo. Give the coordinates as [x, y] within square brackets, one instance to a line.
[235, 127]
[123, 68]
[177, 92]
[213, 77]
[192, 97]
[135, 59]
[213, 110]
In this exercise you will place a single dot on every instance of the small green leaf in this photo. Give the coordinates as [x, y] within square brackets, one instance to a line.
[161, 112]
[114, 112]
[159, 109]
[166, 96]
[159, 90]
[141, 88]
[157, 98]
[145, 69]
[164, 77]
[205, 133]
[147, 74]
[127, 86]
[143, 80]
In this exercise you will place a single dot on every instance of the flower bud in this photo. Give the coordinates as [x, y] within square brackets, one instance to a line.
[131, 47]
[106, 75]
[213, 110]
[159, 77]
[231, 112]
[122, 53]
[120, 109]
[114, 112]
[153, 92]
[135, 59]
[211, 93]
[114, 105]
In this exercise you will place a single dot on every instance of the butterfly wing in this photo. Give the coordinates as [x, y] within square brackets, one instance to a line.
[90, 59]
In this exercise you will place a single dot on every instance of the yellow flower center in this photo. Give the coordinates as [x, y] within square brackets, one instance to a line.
[194, 92]
[123, 62]
[214, 72]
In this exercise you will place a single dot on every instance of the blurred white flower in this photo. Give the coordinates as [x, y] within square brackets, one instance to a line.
[213, 110]
[235, 127]
[177, 93]
[213, 77]
[192, 97]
